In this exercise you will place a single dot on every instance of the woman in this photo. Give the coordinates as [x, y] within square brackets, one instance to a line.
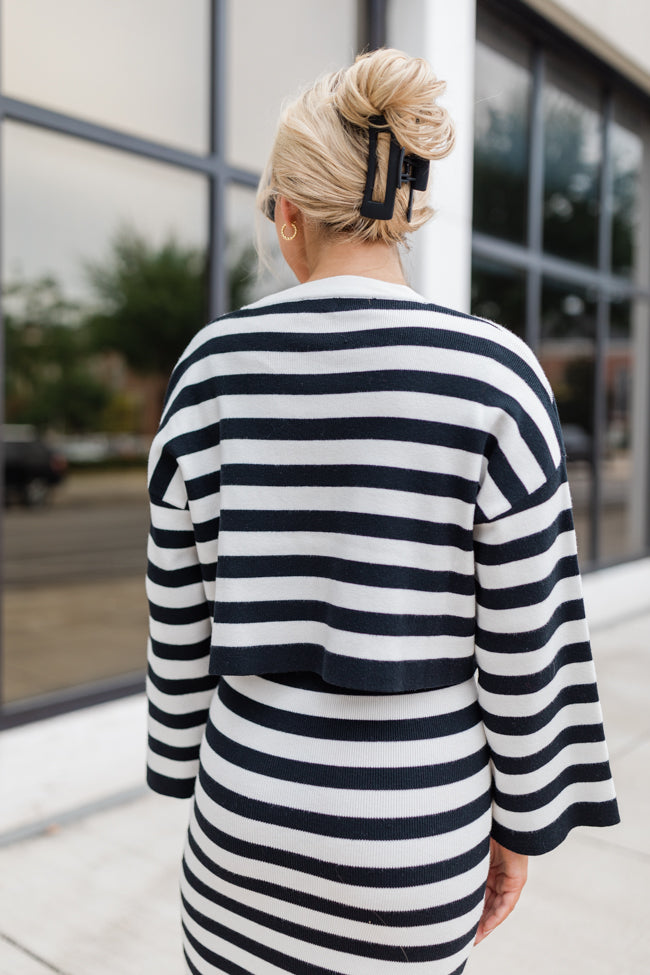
[358, 499]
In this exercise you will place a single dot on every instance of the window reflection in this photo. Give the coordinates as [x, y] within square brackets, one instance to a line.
[324, 38]
[622, 473]
[627, 160]
[502, 93]
[572, 155]
[567, 355]
[140, 66]
[499, 293]
[104, 283]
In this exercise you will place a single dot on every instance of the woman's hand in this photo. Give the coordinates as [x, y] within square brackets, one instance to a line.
[505, 882]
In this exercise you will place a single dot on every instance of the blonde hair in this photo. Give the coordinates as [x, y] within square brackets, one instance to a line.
[319, 159]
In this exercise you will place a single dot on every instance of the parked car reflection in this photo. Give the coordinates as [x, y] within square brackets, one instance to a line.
[31, 467]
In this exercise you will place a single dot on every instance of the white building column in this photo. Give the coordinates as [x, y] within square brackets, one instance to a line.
[444, 32]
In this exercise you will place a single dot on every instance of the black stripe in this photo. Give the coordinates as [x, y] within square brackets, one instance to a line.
[351, 475]
[166, 538]
[161, 475]
[339, 729]
[389, 877]
[428, 335]
[345, 827]
[572, 653]
[339, 618]
[174, 578]
[533, 639]
[345, 570]
[179, 615]
[343, 670]
[176, 687]
[527, 546]
[188, 719]
[216, 962]
[207, 531]
[345, 777]
[549, 837]
[529, 723]
[348, 523]
[466, 388]
[529, 593]
[189, 753]
[166, 786]
[400, 429]
[532, 801]
[204, 485]
[293, 895]
[523, 764]
[184, 651]
[301, 932]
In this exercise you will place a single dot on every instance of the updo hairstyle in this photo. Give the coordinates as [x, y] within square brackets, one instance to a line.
[319, 160]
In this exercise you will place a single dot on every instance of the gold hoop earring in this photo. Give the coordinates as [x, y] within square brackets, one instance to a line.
[295, 231]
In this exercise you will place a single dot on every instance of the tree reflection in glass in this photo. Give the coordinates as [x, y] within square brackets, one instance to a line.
[572, 156]
[499, 293]
[502, 91]
[627, 159]
[567, 354]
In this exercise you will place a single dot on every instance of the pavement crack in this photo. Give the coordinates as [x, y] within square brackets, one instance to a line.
[32, 954]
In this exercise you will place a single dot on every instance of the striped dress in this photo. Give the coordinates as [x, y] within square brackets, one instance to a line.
[368, 649]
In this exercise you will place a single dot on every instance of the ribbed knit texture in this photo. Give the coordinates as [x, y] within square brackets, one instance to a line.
[373, 489]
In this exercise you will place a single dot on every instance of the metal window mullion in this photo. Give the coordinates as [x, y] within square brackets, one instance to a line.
[535, 201]
[217, 273]
[2, 400]
[45, 118]
[602, 329]
[372, 33]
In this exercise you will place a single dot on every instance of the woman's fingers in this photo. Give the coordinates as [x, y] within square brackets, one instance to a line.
[506, 878]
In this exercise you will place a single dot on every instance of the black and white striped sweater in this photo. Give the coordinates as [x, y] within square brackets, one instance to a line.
[352, 481]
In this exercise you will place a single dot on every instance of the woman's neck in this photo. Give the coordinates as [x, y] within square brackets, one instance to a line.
[369, 260]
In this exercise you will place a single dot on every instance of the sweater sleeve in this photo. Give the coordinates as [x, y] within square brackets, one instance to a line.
[179, 685]
[536, 679]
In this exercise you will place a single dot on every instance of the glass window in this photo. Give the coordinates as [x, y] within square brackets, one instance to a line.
[567, 355]
[262, 73]
[499, 293]
[572, 157]
[137, 65]
[626, 428]
[502, 95]
[627, 162]
[104, 283]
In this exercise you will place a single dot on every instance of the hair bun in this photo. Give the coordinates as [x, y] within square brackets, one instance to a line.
[402, 89]
[319, 159]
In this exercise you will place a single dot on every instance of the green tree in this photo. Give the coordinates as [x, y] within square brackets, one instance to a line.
[151, 301]
[49, 380]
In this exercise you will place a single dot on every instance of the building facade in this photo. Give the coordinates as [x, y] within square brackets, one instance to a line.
[132, 138]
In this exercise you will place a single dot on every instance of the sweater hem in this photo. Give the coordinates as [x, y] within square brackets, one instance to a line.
[537, 842]
[378, 676]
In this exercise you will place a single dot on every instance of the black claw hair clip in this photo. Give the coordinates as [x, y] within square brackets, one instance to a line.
[401, 169]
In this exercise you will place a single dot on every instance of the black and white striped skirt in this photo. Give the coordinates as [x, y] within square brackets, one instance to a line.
[336, 832]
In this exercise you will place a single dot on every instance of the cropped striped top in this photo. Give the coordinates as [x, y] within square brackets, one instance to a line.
[350, 480]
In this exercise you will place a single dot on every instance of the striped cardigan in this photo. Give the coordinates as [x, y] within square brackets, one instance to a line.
[352, 481]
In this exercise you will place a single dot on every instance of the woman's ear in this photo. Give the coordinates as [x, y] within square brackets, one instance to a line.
[290, 228]
[287, 213]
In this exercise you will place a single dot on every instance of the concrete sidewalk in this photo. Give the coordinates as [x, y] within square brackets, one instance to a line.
[89, 861]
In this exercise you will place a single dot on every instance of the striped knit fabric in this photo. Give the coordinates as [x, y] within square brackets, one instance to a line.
[352, 482]
[349, 834]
